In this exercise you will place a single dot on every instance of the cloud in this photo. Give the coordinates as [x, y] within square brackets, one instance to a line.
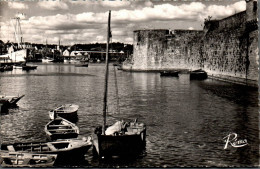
[114, 3]
[53, 5]
[160, 12]
[17, 5]
[220, 11]
[87, 27]
[21, 15]
[129, 40]
[100, 38]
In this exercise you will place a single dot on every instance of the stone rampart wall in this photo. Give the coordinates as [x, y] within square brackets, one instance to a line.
[226, 48]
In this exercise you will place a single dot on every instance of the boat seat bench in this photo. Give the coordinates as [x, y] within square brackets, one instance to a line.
[61, 125]
[60, 129]
[10, 148]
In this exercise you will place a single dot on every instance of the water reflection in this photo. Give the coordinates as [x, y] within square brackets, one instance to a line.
[186, 120]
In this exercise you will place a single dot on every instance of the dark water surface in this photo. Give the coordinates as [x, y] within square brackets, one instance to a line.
[186, 120]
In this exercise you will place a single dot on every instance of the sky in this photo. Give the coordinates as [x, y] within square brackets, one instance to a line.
[83, 22]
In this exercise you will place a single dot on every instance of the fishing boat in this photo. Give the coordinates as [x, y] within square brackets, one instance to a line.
[61, 128]
[16, 54]
[122, 138]
[10, 100]
[18, 159]
[67, 151]
[47, 60]
[8, 68]
[29, 67]
[198, 75]
[170, 73]
[67, 111]
[81, 65]
[18, 66]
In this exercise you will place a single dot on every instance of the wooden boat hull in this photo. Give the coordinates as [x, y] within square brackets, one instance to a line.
[8, 68]
[14, 100]
[10, 101]
[67, 114]
[70, 151]
[119, 145]
[61, 129]
[198, 75]
[170, 73]
[82, 65]
[47, 60]
[61, 136]
[17, 159]
[29, 67]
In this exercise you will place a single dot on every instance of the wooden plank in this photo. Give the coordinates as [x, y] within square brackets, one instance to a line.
[51, 147]
[31, 145]
[60, 125]
[10, 148]
[61, 129]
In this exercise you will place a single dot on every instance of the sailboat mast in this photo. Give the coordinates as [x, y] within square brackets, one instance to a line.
[106, 76]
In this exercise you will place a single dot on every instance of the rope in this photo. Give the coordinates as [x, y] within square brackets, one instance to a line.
[117, 97]
[116, 87]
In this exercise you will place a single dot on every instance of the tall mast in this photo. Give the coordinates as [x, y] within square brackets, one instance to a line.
[106, 76]
[17, 31]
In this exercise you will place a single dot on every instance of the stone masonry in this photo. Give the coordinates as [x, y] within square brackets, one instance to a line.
[226, 49]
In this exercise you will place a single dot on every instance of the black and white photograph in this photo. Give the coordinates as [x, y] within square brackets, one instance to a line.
[129, 83]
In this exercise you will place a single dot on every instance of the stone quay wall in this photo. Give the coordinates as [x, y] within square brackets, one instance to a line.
[226, 49]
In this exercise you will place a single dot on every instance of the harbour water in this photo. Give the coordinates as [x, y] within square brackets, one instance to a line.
[186, 120]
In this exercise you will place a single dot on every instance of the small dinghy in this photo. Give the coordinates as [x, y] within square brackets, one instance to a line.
[67, 111]
[29, 67]
[198, 75]
[82, 65]
[68, 151]
[18, 159]
[170, 73]
[61, 128]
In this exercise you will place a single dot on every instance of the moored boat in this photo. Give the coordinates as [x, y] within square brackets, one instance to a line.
[121, 139]
[67, 111]
[8, 68]
[12, 100]
[47, 60]
[60, 128]
[18, 66]
[29, 67]
[81, 65]
[198, 75]
[170, 73]
[67, 151]
[18, 159]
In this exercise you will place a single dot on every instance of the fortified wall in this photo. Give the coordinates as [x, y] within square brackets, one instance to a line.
[226, 49]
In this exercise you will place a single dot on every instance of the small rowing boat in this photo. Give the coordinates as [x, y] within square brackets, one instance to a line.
[29, 67]
[61, 128]
[170, 73]
[18, 159]
[67, 111]
[81, 65]
[67, 150]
